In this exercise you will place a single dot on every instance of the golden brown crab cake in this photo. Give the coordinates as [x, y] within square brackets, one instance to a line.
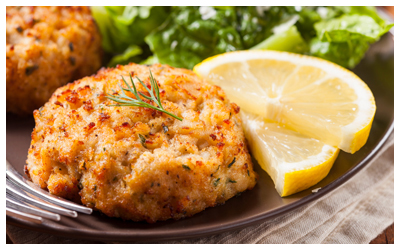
[47, 47]
[138, 163]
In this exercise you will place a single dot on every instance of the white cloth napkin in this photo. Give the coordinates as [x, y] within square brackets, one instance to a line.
[356, 212]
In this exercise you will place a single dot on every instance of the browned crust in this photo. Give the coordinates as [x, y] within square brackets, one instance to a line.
[83, 148]
[47, 47]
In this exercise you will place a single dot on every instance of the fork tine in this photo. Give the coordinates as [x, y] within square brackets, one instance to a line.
[24, 216]
[18, 194]
[19, 206]
[31, 188]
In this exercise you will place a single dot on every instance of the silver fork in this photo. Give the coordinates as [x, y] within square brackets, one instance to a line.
[27, 201]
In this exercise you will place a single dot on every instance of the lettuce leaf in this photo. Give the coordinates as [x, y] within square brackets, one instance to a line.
[370, 11]
[255, 24]
[189, 36]
[305, 25]
[289, 40]
[350, 27]
[347, 54]
[346, 38]
[129, 55]
[122, 27]
[150, 60]
[192, 34]
[184, 36]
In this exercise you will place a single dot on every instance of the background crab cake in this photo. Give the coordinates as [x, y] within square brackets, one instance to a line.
[138, 163]
[47, 47]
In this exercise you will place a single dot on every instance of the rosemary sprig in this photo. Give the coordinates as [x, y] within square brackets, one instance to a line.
[124, 100]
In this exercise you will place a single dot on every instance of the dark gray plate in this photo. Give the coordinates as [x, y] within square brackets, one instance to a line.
[260, 204]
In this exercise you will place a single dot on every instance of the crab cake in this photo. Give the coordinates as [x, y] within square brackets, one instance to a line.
[138, 163]
[47, 47]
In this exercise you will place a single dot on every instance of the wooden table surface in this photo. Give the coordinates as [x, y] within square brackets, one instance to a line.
[386, 237]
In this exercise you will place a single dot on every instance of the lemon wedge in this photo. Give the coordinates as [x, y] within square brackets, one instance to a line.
[309, 95]
[294, 161]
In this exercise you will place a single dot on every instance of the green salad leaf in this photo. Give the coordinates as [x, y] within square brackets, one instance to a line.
[289, 40]
[129, 55]
[189, 36]
[370, 11]
[122, 27]
[192, 34]
[150, 60]
[347, 54]
[350, 27]
[346, 38]
[255, 24]
[184, 36]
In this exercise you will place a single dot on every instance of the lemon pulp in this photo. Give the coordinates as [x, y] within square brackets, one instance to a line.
[312, 96]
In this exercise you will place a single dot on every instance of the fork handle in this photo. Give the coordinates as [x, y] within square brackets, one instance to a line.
[23, 216]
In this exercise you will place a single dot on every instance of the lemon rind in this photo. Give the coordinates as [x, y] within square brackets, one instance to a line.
[326, 166]
[277, 168]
